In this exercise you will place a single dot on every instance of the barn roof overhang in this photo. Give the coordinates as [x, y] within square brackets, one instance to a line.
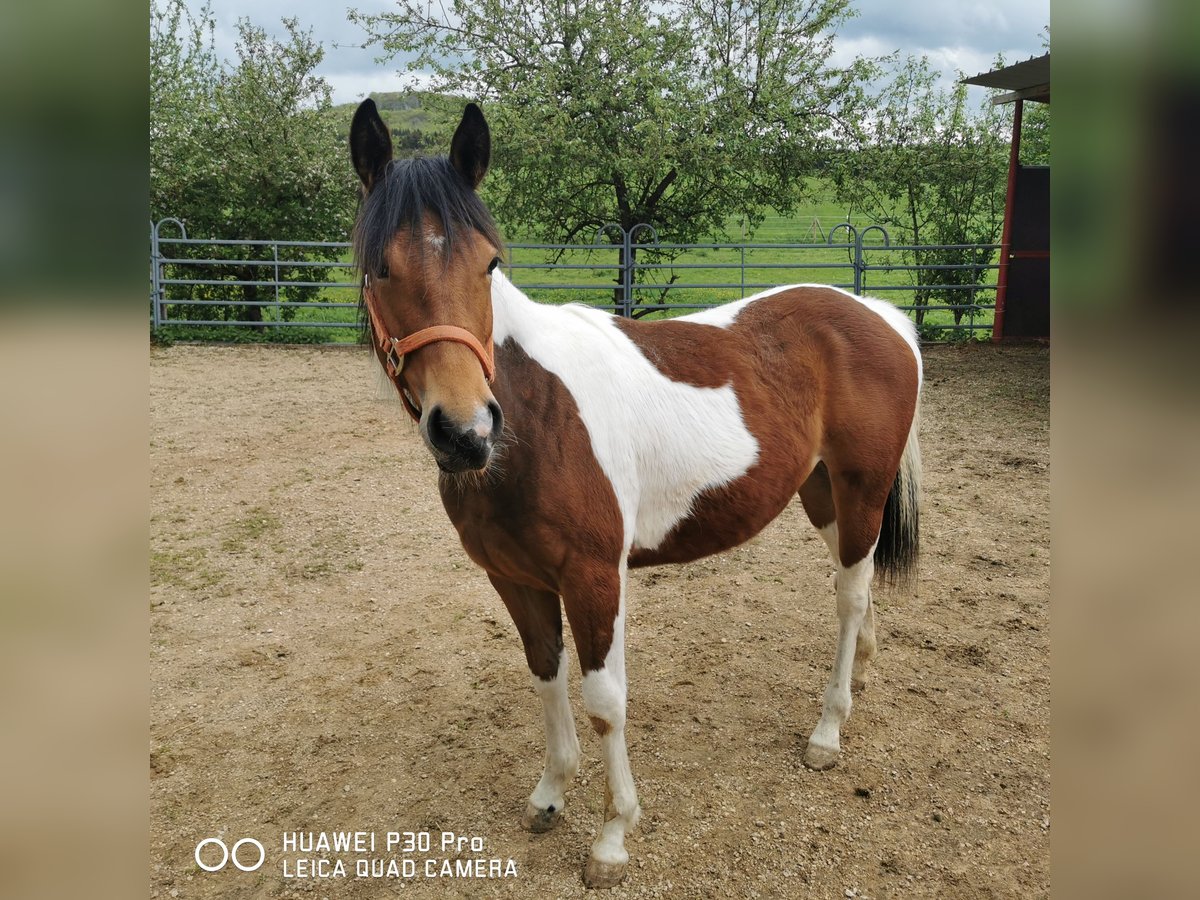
[1028, 80]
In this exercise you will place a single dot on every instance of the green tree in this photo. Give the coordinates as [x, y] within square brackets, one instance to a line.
[1035, 130]
[184, 74]
[245, 152]
[678, 115]
[1035, 134]
[933, 171]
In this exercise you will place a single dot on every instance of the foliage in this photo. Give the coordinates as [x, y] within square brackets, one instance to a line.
[1035, 135]
[184, 73]
[674, 114]
[1035, 132]
[244, 152]
[933, 171]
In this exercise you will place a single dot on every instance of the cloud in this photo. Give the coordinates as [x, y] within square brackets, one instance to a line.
[350, 69]
[960, 39]
[986, 26]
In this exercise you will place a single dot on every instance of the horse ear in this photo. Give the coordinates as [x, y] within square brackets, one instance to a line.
[471, 148]
[370, 144]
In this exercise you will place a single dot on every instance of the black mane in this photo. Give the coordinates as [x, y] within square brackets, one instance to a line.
[410, 190]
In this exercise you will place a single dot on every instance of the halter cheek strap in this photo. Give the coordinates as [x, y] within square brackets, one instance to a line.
[396, 349]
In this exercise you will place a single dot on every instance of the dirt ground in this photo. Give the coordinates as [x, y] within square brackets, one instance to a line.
[325, 657]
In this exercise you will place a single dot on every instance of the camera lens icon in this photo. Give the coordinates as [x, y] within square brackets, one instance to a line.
[227, 854]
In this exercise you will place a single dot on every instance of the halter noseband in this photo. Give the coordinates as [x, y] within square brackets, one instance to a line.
[396, 349]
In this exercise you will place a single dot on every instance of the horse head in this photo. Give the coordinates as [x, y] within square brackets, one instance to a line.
[426, 246]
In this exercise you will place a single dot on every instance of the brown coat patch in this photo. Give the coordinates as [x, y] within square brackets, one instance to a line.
[539, 622]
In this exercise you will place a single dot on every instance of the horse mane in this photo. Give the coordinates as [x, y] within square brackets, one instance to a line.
[411, 190]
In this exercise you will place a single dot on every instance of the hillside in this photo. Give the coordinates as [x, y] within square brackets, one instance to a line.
[420, 121]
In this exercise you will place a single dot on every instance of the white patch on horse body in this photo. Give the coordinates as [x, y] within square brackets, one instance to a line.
[660, 442]
[725, 315]
[435, 240]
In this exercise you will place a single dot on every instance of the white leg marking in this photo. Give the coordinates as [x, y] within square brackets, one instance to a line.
[562, 745]
[866, 646]
[853, 601]
[604, 696]
[621, 804]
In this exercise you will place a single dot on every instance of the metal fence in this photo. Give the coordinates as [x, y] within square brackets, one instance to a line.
[284, 289]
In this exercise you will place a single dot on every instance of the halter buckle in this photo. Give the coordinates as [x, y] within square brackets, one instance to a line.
[395, 361]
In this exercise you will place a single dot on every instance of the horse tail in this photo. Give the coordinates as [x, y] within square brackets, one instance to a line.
[899, 537]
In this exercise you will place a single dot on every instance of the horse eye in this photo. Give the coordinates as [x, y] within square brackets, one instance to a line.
[383, 273]
[492, 265]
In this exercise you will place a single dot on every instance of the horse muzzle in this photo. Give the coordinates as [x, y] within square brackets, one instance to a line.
[459, 446]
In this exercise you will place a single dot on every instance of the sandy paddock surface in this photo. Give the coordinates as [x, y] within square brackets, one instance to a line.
[325, 657]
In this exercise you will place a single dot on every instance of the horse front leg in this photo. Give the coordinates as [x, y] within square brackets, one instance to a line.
[539, 622]
[594, 598]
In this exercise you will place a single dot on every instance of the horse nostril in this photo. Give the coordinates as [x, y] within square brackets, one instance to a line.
[497, 419]
[442, 433]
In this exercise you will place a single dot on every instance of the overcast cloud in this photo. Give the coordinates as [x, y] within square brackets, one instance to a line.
[956, 35]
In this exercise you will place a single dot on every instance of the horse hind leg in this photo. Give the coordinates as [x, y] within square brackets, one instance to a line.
[865, 649]
[816, 495]
[539, 622]
[851, 535]
[595, 606]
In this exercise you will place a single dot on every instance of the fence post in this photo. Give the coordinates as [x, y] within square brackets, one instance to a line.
[278, 308]
[860, 264]
[629, 264]
[624, 261]
[159, 292]
[627, 276]
[852, 233]
[155, 312]
[743, 248]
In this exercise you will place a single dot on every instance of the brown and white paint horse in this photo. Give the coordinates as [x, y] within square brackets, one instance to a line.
[573, 444]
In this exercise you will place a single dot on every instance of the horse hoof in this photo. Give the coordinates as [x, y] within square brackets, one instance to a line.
[858, 685]
[540, 821]
[820, 758]
[601, 875]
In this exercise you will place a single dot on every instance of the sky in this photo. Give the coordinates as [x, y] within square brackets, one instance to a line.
[956, 35]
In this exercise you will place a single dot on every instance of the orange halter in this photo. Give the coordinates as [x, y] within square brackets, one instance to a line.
[396, 349]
